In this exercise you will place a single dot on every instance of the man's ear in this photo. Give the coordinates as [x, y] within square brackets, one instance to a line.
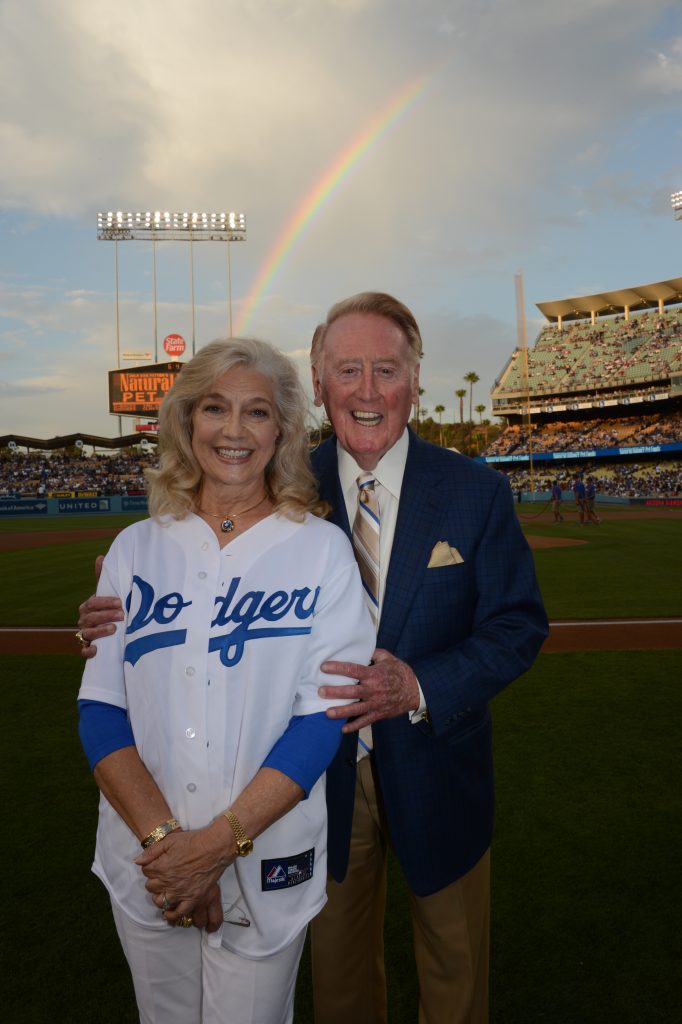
[317, 387]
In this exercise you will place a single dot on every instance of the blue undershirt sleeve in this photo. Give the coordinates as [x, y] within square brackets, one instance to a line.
[306, 748]
[103, 728]
[303, 752]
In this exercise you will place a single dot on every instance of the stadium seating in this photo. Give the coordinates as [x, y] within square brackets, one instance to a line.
[624, 480]
[37, 473]
[612, 353]
[576, 435]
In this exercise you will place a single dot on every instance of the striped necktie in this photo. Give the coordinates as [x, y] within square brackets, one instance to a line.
[366, 529]
[366, 535]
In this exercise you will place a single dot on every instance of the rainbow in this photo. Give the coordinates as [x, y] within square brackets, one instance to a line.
[338, 172]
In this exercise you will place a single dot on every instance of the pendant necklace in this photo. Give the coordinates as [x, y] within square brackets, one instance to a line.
[227, 524]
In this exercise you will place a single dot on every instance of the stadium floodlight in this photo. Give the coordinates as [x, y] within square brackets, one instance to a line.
[157, 225]
[162, 225]
[676, 202]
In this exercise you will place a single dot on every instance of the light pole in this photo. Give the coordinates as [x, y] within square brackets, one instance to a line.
[123, 226]
[522, 343]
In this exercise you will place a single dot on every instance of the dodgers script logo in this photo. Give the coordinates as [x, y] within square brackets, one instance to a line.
[241, 612]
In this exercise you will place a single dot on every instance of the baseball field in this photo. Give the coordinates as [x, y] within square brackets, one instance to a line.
[586, 891]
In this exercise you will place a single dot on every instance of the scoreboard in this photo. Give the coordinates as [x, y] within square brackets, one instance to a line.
[140, 390]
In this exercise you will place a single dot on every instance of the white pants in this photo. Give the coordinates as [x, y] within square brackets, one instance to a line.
[180, 979]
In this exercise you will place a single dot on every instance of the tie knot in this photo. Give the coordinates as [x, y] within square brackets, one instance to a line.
[366, 481]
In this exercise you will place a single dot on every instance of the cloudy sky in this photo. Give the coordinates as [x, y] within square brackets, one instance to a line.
[544, 136]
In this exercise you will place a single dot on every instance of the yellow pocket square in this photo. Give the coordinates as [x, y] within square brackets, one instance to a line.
[443, 554]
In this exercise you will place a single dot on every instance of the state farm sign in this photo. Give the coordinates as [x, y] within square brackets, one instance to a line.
[174, 344]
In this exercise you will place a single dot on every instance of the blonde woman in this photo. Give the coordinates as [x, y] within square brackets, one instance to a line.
[200, 716]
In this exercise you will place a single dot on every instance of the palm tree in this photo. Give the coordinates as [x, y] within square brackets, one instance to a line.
[472, 378]
[486, 424]
[480, 409]
[421, 392]
[461, 394]
[439, 410]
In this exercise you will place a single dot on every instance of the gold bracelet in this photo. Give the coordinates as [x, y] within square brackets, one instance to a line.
[159, 833]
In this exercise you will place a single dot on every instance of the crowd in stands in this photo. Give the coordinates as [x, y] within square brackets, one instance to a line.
[587, 357]
[624, 480]
[594, 433]
[40, 474]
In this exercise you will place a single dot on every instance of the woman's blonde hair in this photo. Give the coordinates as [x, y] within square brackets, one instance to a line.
[289, 481]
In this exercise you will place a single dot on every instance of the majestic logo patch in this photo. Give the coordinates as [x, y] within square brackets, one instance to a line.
[285, 872]
[240, 610]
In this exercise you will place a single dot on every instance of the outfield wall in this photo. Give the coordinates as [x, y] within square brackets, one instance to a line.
[118, 504]
[113, 504]
[586, 453]
[604, 499]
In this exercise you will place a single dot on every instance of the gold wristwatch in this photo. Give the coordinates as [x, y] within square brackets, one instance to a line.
[244, 844]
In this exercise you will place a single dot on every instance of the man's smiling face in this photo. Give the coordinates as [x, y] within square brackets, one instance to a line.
[368, 381]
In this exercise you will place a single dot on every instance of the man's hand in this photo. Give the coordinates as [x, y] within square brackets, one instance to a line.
[387, 688]
[97, 615]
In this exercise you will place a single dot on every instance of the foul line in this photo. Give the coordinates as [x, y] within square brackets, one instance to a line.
[553, 624]
[37, 629]
[616, 622]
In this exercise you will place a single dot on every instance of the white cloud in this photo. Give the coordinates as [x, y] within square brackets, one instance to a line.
[246, 105]
[536, 124]
[22, 390]
[665, 73]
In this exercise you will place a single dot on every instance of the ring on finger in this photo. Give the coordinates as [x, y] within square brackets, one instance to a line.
[81, 639]
[185, 921]
[165, 905]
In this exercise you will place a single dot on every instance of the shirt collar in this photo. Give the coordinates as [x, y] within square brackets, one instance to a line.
[389, 471]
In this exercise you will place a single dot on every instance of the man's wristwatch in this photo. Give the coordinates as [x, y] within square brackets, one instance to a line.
[244, 844]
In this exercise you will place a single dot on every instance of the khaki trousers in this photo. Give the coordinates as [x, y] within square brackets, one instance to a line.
[451, 934]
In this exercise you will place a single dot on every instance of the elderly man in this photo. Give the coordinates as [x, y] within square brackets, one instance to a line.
[450, 584]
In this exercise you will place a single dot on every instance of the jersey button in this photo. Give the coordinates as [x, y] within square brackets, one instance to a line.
[190, 733]
[201, 575]
[204, 546]
[191, 788]
[189, 671]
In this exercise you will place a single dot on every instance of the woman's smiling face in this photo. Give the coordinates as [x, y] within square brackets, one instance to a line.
[234, 432]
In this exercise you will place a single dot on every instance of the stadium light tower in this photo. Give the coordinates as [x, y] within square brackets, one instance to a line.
[676, 202]
[123, 226]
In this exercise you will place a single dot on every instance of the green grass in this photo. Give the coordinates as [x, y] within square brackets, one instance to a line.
[16, 524]
[589, 820]
[627, 567]
[587, 839]
[585, 857]
[62, 961]
[48, 583]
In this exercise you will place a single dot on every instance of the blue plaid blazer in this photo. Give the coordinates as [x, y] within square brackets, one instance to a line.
[467, 630]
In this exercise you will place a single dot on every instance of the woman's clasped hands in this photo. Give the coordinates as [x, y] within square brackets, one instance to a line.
[182, 873]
